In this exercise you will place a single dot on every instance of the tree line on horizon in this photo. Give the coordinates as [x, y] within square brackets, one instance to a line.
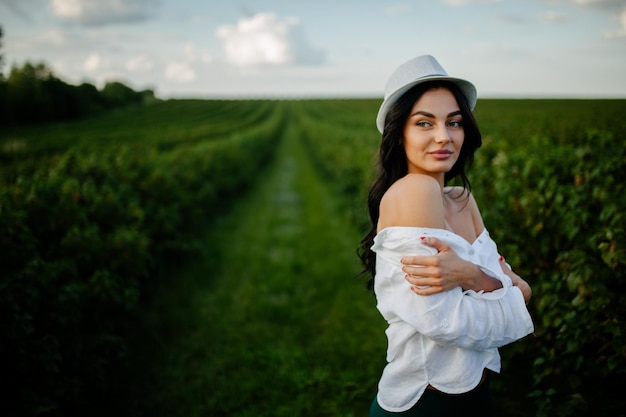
[32, 94]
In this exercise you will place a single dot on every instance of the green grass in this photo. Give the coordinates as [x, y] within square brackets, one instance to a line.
[272, 321]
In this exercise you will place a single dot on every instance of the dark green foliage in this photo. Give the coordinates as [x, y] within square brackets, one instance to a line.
[549, 180]
[33, 95]
[557, 204]
[83, 236]
[90, 210]
[1, 63]
[116, 94]
[163, 125]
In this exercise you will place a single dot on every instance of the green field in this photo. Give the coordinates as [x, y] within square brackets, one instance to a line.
[197, 258]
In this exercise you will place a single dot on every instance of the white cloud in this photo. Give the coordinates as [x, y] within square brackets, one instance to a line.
[95, 62]
[100, 12]
[261, 39]
[180, 72]
[183, 68]
[139, 63]
[266, 39]
[193, 54]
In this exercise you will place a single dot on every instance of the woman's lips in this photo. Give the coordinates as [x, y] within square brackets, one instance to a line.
[441, 154]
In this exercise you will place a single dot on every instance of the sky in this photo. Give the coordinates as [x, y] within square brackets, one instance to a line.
[321, 48]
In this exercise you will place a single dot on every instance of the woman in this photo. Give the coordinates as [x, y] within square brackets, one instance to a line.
[449, 298]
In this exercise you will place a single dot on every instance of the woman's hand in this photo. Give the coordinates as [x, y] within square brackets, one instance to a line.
[527, 292]
[445, 271]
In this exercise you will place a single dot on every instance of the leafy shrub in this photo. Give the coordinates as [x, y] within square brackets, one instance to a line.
[83, 237]
[569, 242]
[549, 183]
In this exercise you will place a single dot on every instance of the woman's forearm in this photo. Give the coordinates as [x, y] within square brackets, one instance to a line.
[480, 281]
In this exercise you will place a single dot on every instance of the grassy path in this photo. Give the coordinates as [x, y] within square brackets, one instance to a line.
[271, 321]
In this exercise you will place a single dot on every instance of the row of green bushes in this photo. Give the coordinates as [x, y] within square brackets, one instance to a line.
[559, 213]
[163, 125]
[83, 239]
[342, 139]
[549, 180]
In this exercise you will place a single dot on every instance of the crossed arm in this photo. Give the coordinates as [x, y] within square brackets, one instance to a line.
[446, 270]
[416, 200]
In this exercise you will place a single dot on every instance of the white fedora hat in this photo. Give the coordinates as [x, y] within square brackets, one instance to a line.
[416, 71]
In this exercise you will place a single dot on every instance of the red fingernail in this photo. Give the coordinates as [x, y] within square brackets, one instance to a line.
[422, 238]
[501, 258]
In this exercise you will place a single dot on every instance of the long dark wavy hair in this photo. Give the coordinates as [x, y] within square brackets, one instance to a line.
[392, 159]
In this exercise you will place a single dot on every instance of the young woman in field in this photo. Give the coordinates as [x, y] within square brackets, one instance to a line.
[448, 296]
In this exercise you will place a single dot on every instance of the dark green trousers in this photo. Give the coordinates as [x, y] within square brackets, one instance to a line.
[476, 403]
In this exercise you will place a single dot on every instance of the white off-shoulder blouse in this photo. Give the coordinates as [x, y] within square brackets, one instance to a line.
[445, 339]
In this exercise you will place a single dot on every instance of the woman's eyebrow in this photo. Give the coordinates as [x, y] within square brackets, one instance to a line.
[425, 113]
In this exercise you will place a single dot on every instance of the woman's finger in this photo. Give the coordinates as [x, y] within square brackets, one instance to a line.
[424, 271]
[422, 281]
[419, 260]
[433, 289]
[433, 242]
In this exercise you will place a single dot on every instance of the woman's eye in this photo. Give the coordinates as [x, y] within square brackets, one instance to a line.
[455, 123]
[423, 124]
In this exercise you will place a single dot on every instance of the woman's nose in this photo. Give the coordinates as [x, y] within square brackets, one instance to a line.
[443, 136]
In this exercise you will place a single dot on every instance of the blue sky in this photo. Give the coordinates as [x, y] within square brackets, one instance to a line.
[322, 48]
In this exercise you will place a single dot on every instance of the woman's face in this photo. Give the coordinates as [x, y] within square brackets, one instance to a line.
[433, 133]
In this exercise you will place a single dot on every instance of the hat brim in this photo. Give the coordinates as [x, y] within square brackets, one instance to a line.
[467, 88]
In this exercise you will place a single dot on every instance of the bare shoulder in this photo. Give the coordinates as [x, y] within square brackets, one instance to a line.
[414, 183]
[415, 201]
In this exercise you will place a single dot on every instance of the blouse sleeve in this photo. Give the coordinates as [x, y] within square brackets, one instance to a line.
[469, 320]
